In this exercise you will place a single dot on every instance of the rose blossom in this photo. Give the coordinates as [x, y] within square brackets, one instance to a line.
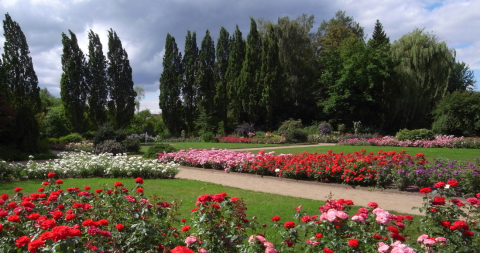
[190, 240]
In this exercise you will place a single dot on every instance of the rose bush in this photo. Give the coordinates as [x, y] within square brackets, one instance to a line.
[118, 219]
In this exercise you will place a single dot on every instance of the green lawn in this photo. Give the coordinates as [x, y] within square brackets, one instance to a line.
[262, 205]
[467, 155]
[209, 145]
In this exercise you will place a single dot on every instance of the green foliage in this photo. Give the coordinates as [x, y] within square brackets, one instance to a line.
[153, 151]
[221, 99]
[341, 128]
[190, 86]
[110, 146]
[379, 36]
[96, 80]
[26, 130]
[120, 135]
[121, 105]
[205, 75]
[51, 140]
[73, 88]
[244, 129]
[289, 125]
[208, 137]
[296, 136]
[75, 137]
[416, 134]
[458, 114]
[56, 123]
[461, 78]
[170, 80]
[131, 145]
[235, 63]
[104, 132]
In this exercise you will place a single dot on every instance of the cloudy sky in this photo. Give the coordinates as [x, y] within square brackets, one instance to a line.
[142, 26]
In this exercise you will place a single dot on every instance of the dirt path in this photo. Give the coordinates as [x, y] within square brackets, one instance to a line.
[387, 199]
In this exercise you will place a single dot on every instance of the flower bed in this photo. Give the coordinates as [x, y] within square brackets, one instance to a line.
[117, 219]
[384, 169]
[255, 140]
[83, 164]
[438, 142]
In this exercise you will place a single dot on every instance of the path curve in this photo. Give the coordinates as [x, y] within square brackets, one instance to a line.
[393, 200]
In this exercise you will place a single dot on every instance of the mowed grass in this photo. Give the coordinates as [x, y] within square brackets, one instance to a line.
[466, 155]
[210, 145]
[261, 205]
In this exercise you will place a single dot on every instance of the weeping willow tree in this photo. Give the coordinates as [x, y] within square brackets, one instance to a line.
[421, 77]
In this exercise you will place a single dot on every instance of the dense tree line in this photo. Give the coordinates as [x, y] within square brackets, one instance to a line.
[285, 70]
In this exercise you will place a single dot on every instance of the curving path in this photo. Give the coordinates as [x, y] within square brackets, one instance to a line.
[393, 200]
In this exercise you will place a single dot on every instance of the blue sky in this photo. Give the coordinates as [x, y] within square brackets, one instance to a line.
[143, 25]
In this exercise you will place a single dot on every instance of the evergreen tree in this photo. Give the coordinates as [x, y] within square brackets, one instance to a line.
[20, 78]
[332, 32]
[170, 87]
[121, 105]
[271, 78]
[221, 66]
[96, 81]
[379, 36]
[190, 86]
[235, 63]
[21, 84]
[73, 87]
[250, 76]
[205, 75]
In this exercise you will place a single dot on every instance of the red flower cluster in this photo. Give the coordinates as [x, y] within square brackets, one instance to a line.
[275, 218]
[289, 224]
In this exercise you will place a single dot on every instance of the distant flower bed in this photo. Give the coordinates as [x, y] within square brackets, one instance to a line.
[438, 142]
[268, 139]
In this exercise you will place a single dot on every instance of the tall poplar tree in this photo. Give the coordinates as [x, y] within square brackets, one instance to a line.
[250, 76]
[205, 75]
[221, 66]
[235, 63]
[190, 86]
[73, 86]
[271, 82]
[170, 87]
[21, 84]
[121, 105]
[96, 81]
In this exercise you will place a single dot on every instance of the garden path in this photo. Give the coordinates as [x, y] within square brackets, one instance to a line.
[392, 200]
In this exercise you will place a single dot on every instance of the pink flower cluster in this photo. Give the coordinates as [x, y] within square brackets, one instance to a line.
[269, 247]
[214, 158]
[438, 142]
[396, 247]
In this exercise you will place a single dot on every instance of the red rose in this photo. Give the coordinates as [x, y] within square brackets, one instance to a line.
[46, 224]
[88, 223]
[289, 224]
[275, 218]
[59, 181]
[1, 227]
[13, 218]
[120, 227]
[139, 180]
[33, 216]
[438, 201]
[45, 183]
[4, 196]
[392, 229]
[425, 190]
[103, 222]
[41, 189]
[98, 190]
[452, 183]
[440, 184]
[353, 243]
[86, 188]
[445, 223]
[181, 249]
[216, 206]
[139, 190]
[372, 205]
[408, 217]
[50, 174]
[185, 228]
[70, 217]
[193, 210]
[35, 244]
[57, 215]
[398, 237]
[327, 250]
[468, 233]
[289, 242]
[318, 236]
[234, 199]
[22, 241]
[117, 184]
[184, 220]
[204, 198]
[18, 189]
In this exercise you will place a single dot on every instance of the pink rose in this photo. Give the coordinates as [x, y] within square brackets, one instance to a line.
[190, 240]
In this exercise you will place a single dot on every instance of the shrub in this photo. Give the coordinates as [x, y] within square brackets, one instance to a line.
[132, 145]
[104, 132]
[325, 128]
[295, 136]
[244, 129]
[289, 125]
[416, 134]
[51, 140]
[341, 128]
[207, 137]
[120, 135]
[110, 146]
[70, 138]
[152, 152]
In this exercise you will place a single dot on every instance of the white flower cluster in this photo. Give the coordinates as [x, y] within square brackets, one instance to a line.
[84, 164]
